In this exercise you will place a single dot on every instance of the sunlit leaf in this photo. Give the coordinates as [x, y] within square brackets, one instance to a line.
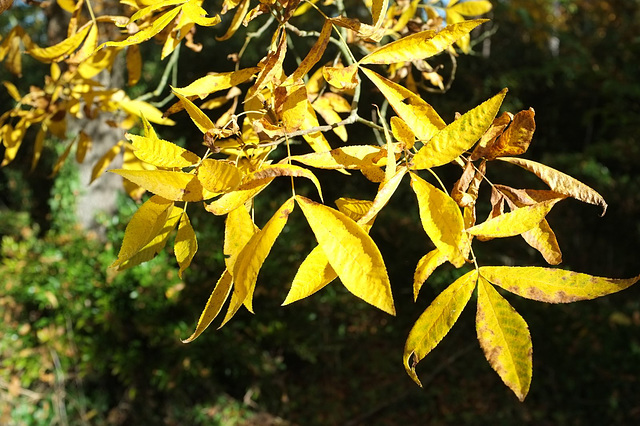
[342, 78]
[560, 182]
[218, 175]
[553, 285]
[513, 223]
[351, 252]
[175, 186]
[315, 53]
[420, 45]
[237, 20]
[143, 35]
[387, 189]
[441, 219]
[250, 260]
[186, 244]
[314, 273]
[215, 82]
[218, 296]
[348, 157]
[504, 337]
[423, 120]
[161, 153]
[458, 136]
[426, 265]
[472, 8]
[199, 118]
[436, 321]
[58, 51]
[238, 230]
[141, 108]
[249, 188]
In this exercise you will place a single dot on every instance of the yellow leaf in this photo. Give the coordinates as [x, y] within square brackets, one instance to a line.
[298, 114]
[504, 337]
[104, 161]
[354, 208]
[157, 244]
[250, 260]
[553, 285]
[186, 244]
[238, 230]
[315, 53]
[342, 78]
[387, 189]
[140, 108]
[218, 175]
[143, 227]
[472, 8]
[458, 136]
[218, 296]
[348, 157]
[352, 254]
[175, 186]
[324, 107]
[13, 90]
[198, 15]
[420, 45]
[276, 170]
[560, 182]
[199, 118]
[12, 140]
[314, 273]
[515, 222]
[436, 321]
[215, 82]
[402, 132]
[441, 219]
[134, 64]
[419, 115]
[237, 20]
[38, 146]
[143, 35]
[84, 145]
[98, 62]
[57, 52]
[249, 188]
[378, 11]
[426, 265]
[161, 153]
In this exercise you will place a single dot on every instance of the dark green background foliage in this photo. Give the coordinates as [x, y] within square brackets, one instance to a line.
[89, 346]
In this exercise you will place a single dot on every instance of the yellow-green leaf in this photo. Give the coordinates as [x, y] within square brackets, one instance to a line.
[419, 115]
[458, 136]
[145, 224]
[553, 285]
[504, 337]
[200, 119]
[153, 247]
[215, 82]
[515, 222]
[175, 186]
[421, 45]
[250, 260]
[351, 252]
[161, 153]
[426, 265]
[218, 296]
[436, 321]
[560, 182]
[186, 244]
[441, 219]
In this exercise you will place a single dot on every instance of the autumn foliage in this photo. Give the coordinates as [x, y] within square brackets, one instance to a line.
[267, 108]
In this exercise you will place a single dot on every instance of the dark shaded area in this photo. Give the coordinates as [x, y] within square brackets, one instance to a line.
[332, 359]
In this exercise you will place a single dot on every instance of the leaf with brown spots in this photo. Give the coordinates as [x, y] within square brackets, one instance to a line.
[504, 337]
[553, 285]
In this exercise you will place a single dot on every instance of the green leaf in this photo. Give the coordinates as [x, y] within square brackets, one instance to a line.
[553, 285]
[504, 337]
[436, 321]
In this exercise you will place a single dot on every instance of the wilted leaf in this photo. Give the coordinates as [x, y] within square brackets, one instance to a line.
[219, 295]
[504, 337]
[436, 321]
[351, 252]
[441, 219]
[420, 45]
[561, 182]
[458, 136]
[553, 285]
